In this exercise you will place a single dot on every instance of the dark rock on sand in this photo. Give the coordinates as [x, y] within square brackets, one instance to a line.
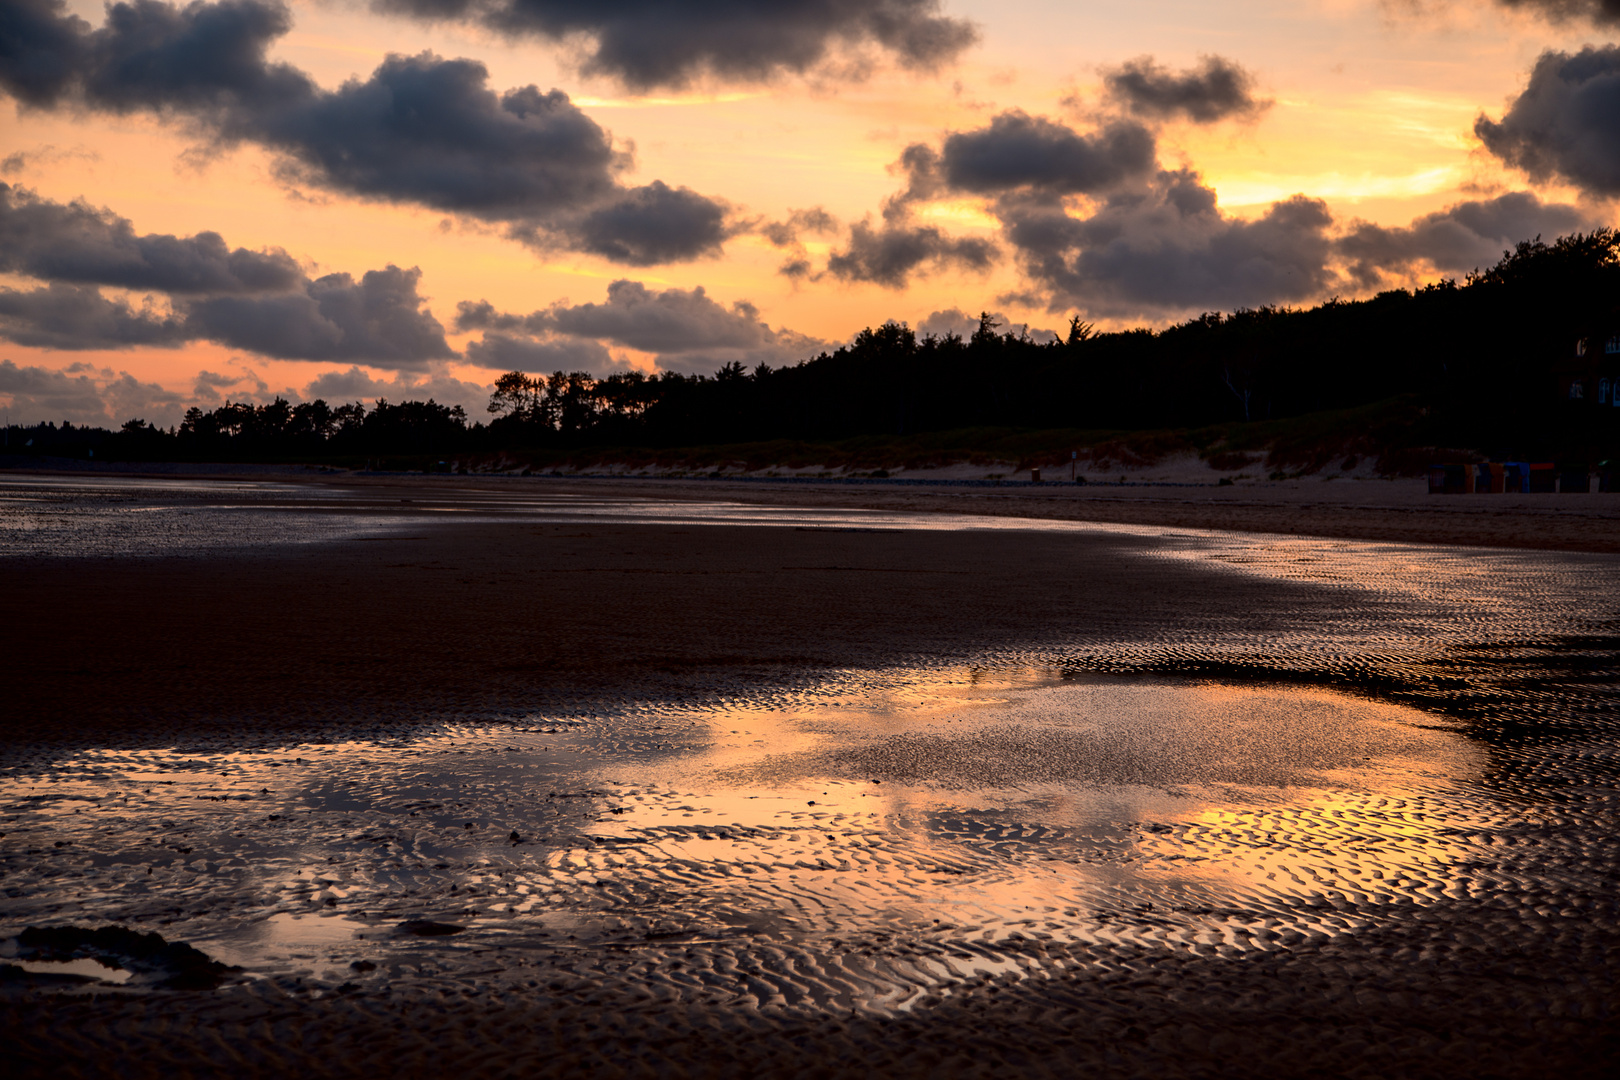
[428, 928]
[175, 964]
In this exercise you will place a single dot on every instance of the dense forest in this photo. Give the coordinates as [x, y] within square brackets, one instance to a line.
[1457, 365]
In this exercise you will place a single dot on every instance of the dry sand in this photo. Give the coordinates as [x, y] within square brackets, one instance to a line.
[1369, 831]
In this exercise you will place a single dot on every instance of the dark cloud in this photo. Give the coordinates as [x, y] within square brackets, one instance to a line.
[1168, 248]
[510, 352]
[41, 49]
[789, 234]
[430, 131]
[437, 384]
[1019, 151]
[1566, 123]
[1151, 242]
[128, 397]
[259, 301]
[378, 321]
[147, 56]
[952, 321]
[86, 394]
[956, 321]
[1145, 242]
[36, 393]
[889, 254]
[815, 221]
[648, 43]
[420, 130]
[195, 60]
[64, 316]
[1596, 12]
[83, 394]
[654, 224]
[84, 245]
[481, 315]
[1460, 238]
[686, 328]
[667, 322]
[213, 387]
[1215, 90]
[1025, 159]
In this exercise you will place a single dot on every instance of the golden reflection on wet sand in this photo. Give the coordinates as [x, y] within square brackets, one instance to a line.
[1181, 814]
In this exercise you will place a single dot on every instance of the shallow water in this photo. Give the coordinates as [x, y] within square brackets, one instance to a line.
[967, 815]
[72, 516]
[132, 517]
[1435, 755]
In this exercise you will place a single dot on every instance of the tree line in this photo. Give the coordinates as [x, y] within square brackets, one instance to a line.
[1472, 356]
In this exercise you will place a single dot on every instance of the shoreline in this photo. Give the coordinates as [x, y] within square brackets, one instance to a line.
[1373, 510]
[451, 600]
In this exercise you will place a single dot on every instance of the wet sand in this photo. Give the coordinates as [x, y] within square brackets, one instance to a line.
[834, 796]
[1400, 510]
[474, 620]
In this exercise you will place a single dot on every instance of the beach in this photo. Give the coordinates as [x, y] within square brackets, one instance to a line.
[694, 778]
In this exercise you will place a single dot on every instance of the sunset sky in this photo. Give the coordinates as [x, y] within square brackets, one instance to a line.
[561, 184]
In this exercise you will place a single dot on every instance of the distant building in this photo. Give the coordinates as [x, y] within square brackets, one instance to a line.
[1589, 377]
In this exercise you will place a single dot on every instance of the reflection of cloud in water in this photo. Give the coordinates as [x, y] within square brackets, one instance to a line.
[1103, 733]
[729, 831]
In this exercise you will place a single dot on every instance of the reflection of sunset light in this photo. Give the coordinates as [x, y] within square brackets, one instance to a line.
[958, 808]
[742, 816]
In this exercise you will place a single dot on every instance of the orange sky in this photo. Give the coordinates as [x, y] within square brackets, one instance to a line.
[1371, 109]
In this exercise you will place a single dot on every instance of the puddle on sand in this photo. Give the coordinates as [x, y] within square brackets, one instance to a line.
[84, 968]
[300, 932]
[971, 817]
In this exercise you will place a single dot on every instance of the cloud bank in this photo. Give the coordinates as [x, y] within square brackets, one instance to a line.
[420, 130]
[1166, 246]
[88, 395]
[963, 325]
[84, 395]
[74, 317]
[686, 330]
[260, 301]
[890, 253]
[81, 244]
[1463, 237]
[1096, 223]
[1017, 150]
[666, 43]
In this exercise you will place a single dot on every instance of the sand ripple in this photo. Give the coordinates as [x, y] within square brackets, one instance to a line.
[1370, 836]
